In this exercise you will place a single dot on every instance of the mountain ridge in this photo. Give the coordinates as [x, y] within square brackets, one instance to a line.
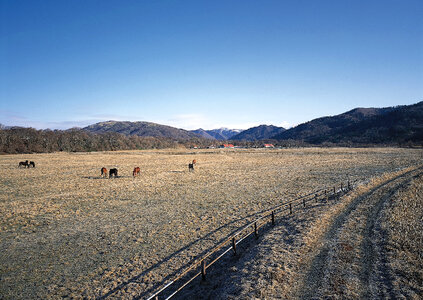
[261, 132]
[397, 124]
[142, 129]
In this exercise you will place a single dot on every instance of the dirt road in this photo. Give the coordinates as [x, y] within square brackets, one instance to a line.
[353, 261]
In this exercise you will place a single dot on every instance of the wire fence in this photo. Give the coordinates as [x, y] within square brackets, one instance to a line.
[199, 267]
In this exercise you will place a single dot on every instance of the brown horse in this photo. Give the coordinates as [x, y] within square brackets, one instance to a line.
[191, 165]
[103, 172]
[136, 171]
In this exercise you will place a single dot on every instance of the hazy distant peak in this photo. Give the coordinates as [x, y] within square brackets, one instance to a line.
[217, 134]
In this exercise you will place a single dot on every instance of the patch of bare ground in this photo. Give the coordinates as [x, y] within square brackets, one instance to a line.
[67, 233]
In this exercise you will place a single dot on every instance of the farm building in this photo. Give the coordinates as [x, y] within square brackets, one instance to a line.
[227, 146]
[268, 146]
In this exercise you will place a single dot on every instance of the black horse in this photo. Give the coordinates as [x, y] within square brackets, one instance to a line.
[24, 164]
[191, 167]
[31, 164]
[113, 172]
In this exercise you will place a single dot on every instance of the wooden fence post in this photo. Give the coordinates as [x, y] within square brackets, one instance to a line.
[255, 229]
[234, 245]
[304, 202]
[203, 270]
[315, 197]
[290, 208]
[273, 218]
[349, 186]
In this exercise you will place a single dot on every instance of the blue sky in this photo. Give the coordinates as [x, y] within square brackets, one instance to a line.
[208, 64]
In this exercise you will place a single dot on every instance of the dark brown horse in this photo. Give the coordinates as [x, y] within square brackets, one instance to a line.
[31, 164]
[113, 172]
[24, 164]
[136, 171]
[103, 172]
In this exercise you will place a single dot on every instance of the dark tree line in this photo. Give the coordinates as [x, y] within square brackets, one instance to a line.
[29, 140]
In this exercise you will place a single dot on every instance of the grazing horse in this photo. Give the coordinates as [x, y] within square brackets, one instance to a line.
[103, 172]
[136, 171]
[113, 172]
[191, 165]
[24, 164]
[31, 164]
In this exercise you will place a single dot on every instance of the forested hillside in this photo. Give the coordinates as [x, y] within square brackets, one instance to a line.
[400, 125]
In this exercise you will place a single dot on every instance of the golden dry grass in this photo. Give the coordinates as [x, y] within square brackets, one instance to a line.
[277, 267]
[404, 223]
[66, 232]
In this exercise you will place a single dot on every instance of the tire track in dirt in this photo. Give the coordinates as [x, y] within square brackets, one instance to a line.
[313, 283]
[370, 253]
[375, 264]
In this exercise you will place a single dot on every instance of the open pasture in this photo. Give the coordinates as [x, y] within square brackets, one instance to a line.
[67, 232]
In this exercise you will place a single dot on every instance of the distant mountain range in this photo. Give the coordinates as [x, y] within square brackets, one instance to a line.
[390, 125]
[157, 130]
[397, 125]
[218, 134]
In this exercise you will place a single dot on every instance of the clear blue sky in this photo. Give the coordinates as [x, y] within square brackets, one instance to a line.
[206, 64]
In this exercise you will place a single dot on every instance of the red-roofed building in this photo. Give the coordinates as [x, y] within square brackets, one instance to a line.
[227, 146]
[268, 146]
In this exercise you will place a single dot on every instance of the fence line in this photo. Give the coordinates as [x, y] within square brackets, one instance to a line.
[245, 232]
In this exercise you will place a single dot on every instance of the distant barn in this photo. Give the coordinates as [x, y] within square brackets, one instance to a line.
[227, 146]
[268, 146]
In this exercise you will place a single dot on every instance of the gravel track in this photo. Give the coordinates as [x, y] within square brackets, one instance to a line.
[367, 262]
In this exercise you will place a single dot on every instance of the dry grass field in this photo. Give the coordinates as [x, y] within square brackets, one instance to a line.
[404, 221]
[367, 245]
[68, 233]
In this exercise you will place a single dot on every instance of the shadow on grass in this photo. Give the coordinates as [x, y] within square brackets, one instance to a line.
[247, 219]
[104, 178]
[166, 259]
